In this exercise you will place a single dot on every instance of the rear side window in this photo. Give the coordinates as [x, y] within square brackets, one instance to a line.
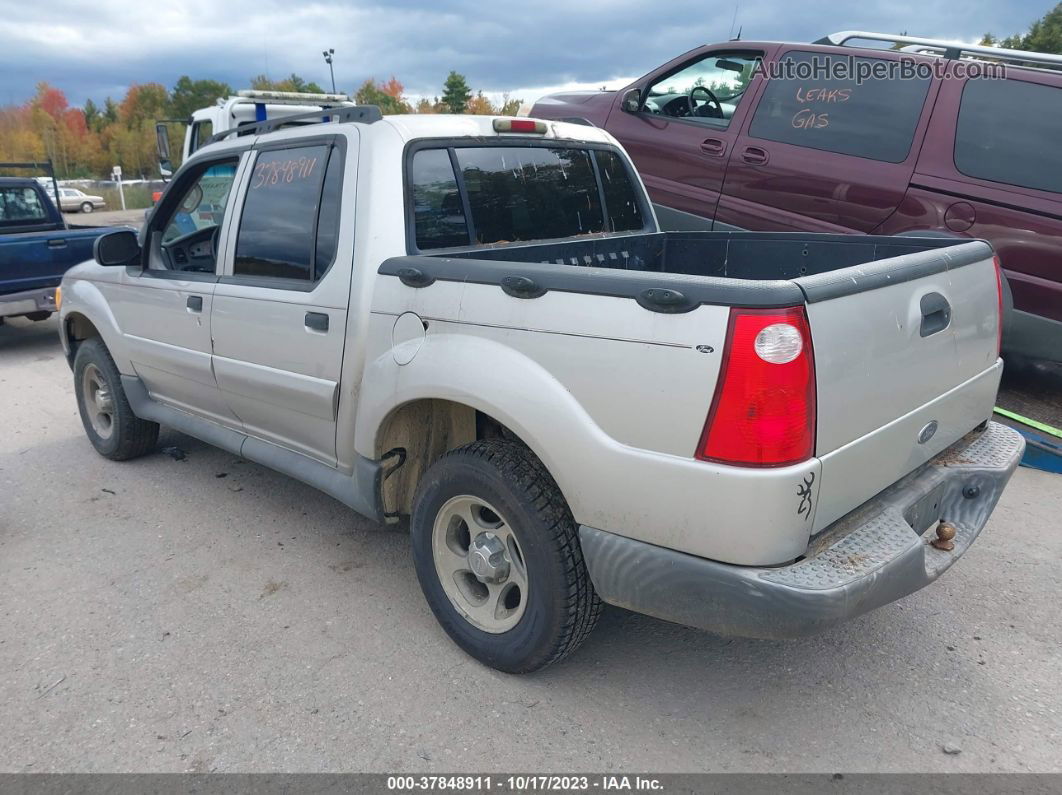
[282, 234]
[814, 104]
[20, 205]
[1009, 131]
[503, 194]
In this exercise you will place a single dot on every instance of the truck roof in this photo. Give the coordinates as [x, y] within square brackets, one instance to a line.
[18, 182]
[418, 126]
[441, 125]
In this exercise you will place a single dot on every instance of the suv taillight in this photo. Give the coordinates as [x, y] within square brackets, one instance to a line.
[763, 412]
[999, 305]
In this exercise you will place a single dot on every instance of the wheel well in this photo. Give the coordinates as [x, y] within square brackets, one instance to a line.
[416, 434]
[78, 328]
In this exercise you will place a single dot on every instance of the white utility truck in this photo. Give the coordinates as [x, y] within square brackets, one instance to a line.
[243, 109]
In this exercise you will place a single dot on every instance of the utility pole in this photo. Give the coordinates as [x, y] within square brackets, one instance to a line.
[328, 60]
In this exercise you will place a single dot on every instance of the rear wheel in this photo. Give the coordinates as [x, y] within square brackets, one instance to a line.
[86, 207]
[110, 424]
[497, 554]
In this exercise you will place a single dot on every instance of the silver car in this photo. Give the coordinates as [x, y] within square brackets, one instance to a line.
[72, 200]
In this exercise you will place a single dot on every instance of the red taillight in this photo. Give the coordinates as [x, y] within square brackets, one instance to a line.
[999, 296]
[763, 413]
[519, 126]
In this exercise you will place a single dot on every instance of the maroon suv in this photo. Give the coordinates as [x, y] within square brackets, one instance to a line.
[831, 137]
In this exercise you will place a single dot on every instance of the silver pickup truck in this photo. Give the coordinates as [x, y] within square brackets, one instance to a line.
[475, 323]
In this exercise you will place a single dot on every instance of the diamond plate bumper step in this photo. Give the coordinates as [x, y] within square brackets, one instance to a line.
[876, 554]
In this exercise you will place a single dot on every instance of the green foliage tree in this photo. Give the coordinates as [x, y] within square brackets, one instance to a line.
[456, 93]
[110, 111]
[93, 117]
[388, 96]
[189, 95]
[1045, 35]
[510, 106]
[290, 83]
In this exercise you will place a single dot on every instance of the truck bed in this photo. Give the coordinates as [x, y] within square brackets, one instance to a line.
[903, 329]
[674, 272]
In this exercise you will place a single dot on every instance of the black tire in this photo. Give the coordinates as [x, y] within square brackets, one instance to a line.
[130, 436]
[86, 207]
[562, 606]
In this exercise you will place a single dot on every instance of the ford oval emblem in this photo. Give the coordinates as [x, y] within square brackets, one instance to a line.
[927, 432]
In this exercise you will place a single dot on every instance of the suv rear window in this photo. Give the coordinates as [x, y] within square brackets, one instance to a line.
[517, 193]
[1008, 131]
[875, 118]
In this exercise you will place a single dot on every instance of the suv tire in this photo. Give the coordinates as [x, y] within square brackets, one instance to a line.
[530, 601]
[110, 424]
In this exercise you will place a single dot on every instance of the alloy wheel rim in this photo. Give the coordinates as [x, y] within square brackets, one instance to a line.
[99, 401]
[480, 564]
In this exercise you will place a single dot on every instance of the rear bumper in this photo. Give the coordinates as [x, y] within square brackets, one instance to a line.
[866, 559]
[42, 300]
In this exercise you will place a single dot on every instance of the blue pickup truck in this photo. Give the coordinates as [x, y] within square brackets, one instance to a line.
[36, 249]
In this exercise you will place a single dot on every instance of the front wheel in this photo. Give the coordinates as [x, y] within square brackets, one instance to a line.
[110, 424]
[86, 207]
[497, 554]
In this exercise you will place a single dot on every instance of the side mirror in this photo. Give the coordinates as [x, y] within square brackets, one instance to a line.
[117, 248]
[632, 101]
[162, 145]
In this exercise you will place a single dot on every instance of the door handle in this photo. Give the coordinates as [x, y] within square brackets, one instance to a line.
[194, 303]
[57, 243]
[755, 156]
[713, 146]
[316, 321]
[936, 314]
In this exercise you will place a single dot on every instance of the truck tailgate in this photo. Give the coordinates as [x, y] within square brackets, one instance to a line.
[906, 364]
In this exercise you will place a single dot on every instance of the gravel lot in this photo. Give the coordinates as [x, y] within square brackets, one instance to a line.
[207, 614]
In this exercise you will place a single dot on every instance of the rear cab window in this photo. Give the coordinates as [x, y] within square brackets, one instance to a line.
[822, 101]
[477, 195]
[1008, 131]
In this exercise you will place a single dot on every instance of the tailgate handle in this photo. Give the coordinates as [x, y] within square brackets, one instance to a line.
[936, 314]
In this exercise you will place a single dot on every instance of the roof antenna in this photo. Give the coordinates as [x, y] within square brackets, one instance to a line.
[733, 21]
[738, 36]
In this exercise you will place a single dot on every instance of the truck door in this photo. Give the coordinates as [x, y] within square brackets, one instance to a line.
[32, 231]
[684, 127]
[164, 309]
[827, 150]
[280, 308]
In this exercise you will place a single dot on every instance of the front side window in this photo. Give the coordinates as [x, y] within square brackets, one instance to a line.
[202, 206]
[708, 90]
[21, 206]
[509, 194]
[190, 230]
[201, 133]
[1009, 131]
[818, 101]
[280, 233]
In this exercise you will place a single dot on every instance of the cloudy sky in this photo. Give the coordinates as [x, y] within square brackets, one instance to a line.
[96, 48]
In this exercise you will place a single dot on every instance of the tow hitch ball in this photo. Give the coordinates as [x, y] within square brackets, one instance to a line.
[945, 535]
